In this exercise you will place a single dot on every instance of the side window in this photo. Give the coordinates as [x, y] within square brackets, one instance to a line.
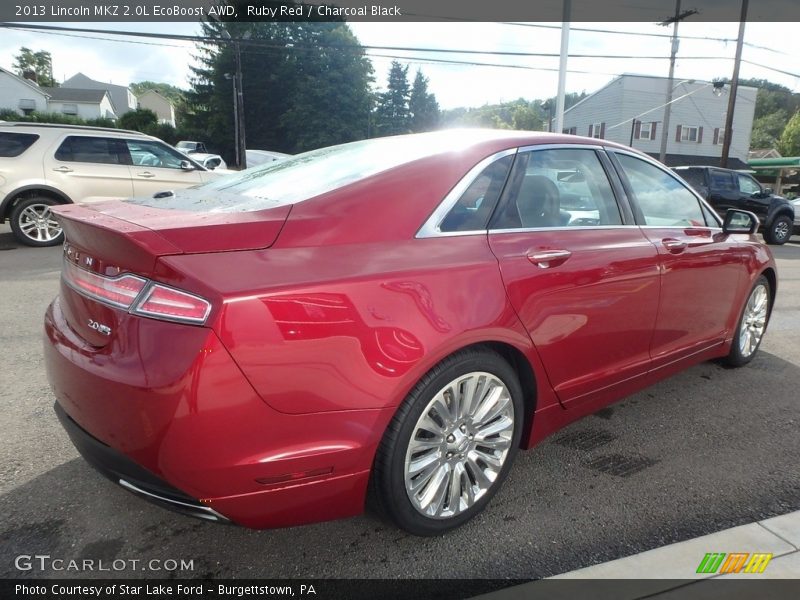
[561, 187]
[722, 180]
[14, 144]
[747, 185]
[107, 151]
[153, 154]
[663, 200]
[473, 209]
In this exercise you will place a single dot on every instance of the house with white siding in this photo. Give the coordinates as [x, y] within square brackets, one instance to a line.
[164, 109]
[84, 104]
[630, 110]
[20, 94]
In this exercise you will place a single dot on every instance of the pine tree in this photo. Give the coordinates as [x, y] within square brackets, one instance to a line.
[392, 115]
[422, 105]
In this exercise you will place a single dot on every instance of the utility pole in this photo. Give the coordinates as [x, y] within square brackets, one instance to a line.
[241, 153]
[726, 142]
[674, 51]
[562, 66]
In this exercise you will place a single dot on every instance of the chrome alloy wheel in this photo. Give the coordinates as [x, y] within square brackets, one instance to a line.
[38, 223]
[459, 445]
[781, 230]
[754, 320]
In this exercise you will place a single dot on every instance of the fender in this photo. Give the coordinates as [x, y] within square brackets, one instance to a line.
[5, 205]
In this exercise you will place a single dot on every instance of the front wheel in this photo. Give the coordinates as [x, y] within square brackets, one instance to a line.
[451, 443]
[752, 325]
[34, 224]
[779, 231]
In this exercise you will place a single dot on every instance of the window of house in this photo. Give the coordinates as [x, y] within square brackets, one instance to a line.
[597, 130]
[27, 105]
[570, 130]
[646, 131]
[557, 188]
[663, 200]
[719, 137]
[689, 134]
[69, 109]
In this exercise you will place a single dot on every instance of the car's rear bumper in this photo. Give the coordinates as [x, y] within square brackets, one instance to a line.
[172, 416]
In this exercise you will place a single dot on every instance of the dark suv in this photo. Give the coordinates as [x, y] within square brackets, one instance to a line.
[725, 188]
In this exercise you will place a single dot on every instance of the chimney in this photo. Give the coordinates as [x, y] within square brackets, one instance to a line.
[30, 75]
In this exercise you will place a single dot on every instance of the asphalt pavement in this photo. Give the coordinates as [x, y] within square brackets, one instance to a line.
[706, 450]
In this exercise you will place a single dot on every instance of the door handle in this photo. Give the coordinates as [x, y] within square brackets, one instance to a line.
[548, 258]
[146, 174]
[62, 169]
[673, 245]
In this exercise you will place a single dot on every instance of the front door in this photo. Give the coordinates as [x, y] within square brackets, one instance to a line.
[585, 285]
[157, 167]
[700, 265]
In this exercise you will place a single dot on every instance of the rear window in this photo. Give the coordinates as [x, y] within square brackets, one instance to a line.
[14, 144]
[694, 177]
[313, 173]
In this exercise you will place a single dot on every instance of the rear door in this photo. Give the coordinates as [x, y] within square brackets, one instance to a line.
[724, 191]
[89, 168]
[157, 167]
[582, 277]
[700, 265]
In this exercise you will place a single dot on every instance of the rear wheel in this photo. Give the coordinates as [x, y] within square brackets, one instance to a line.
[451, 443]
[752, 325]
[34, 224]
[779, 231]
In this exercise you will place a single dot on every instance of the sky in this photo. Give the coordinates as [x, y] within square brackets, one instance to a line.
[768, 44]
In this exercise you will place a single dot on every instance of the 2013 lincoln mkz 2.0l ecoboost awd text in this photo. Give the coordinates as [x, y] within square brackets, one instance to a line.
[402, 313]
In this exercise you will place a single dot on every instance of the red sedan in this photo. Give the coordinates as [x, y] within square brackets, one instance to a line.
[399, 313]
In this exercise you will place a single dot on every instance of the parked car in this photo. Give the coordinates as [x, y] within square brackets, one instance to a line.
[726, 188]
[260, 157]
[45, 165]
[796, 204]
[189, 147]
[400, 314]
[211, 162]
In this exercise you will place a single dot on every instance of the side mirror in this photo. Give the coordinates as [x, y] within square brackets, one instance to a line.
[768, 191]
[739, 221]
[187, 166]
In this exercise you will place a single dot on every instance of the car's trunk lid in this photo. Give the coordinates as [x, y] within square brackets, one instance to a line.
[111, 239]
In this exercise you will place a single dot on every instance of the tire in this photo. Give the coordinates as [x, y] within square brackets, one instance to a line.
[779, 231]
[421, 499]
[34, 225]
[752, 325]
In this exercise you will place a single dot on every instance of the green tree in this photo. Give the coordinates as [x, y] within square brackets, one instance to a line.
[41, 63]
[139, 119]
[305, 84]
[767, 129]
[392, 115]
[423, 105]
[789, 144]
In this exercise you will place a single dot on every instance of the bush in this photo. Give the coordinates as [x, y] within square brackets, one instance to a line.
[138, 120]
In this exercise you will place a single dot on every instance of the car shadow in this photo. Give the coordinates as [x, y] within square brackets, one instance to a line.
[702, 451]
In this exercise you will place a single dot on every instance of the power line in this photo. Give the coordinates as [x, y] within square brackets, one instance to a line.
[257, 43]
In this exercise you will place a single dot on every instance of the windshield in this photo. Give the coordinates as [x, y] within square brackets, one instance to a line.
[313, 173]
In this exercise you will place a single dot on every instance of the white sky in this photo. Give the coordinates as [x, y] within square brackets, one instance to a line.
[454, 85]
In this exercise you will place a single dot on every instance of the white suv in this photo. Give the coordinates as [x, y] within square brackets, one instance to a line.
[43, 165]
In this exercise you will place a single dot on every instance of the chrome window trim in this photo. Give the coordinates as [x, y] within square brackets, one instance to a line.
[432, 226]
[561, 228]
[649, 159]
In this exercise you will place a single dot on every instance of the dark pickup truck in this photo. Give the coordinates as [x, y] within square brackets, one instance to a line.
[725, 188]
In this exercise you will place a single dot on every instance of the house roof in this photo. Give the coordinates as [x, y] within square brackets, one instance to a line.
[81, 81]
[27, 82]
[60, 94]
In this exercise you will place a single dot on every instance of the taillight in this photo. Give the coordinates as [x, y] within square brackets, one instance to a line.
[118, 291]
[138, 296]
[161, 302]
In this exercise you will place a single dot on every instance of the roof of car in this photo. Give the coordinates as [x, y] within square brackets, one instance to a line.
[67, 126]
